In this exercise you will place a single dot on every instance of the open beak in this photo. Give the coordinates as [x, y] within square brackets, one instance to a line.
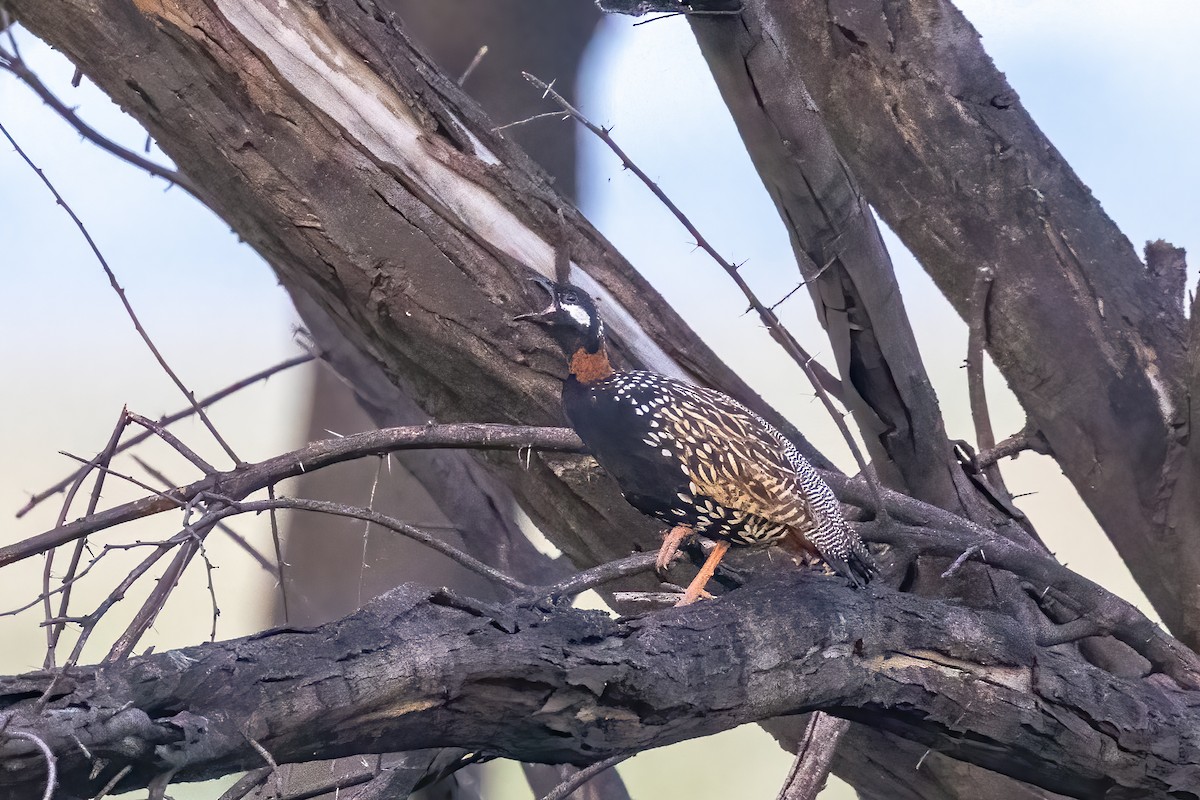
[546, 315]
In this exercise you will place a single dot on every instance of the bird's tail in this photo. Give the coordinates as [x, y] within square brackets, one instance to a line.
[843, 551]
[857, 566]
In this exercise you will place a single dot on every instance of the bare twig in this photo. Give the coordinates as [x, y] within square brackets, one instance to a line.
[392, 524]
[535, 117]
[1028, 438]
[823, 383]
[597, 576]
[192, 537]
[48, 754]
[277, 542]
[121, 475]
[112, 279]
[267, 757]
[12, 62]
[985, 439]
[366, 537]
[248, 478]
[814, 757]
[170, 419]
[238, 539]
[101, 461]
[962, 559]
[567, 787]
[173, 441]
[483, 51]
[113, 781]
[247, 784]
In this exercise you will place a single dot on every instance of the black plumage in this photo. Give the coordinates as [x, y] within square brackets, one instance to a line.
[693, 457]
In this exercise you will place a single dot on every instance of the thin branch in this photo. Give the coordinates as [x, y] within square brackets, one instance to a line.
[120, 475]
[192, 540]
[822, 381]
[962, 559]
[535, 117]
[1028, 438]
[112, 279]
[597, 576]
[170, 419]
[101, 462]
[985, 439]
[174, 442]
[366, 537]
[814, 757]
[392, 524]
[567, 787]
[247, 784]
[237, 538]
[479, 54]
[15, 65]
[277, 542]
[248, 478]
[267, 757]
[48, 754]
[108, 787]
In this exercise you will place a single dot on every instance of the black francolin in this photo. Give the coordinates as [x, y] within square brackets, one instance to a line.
[694, 457]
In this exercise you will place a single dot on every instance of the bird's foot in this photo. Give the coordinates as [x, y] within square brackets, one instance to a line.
[670, 547]
[695, 589]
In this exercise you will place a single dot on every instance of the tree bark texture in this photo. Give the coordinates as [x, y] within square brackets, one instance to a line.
[948, 156]
[422, 668]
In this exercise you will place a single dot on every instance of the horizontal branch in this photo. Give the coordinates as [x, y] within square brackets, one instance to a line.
[241, 481]
[421, 668]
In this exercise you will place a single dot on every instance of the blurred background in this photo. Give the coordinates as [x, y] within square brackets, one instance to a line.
[1108, 81]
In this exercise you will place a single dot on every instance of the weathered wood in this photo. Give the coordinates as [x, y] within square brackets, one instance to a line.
[950, 158]
[421, 668]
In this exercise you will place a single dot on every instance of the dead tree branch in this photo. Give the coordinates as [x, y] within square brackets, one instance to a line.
[417, 664]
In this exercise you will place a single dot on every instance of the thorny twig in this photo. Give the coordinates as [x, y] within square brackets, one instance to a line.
[112, 279]
[241, 482]
[169, 419]
[383, 521]
[13, 63]
[101, 462]
[237, 538]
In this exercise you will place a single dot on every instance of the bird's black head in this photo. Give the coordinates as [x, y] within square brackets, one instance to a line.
[571, 317]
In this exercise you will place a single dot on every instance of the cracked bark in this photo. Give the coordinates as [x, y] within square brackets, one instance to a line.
[422, 668]
[951, 160]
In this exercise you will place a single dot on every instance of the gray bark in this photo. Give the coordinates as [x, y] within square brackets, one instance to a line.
[422, 668]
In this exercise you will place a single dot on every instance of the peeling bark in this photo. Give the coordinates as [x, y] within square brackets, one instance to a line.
[952, 161]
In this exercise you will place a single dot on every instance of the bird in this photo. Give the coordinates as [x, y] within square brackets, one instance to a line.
[693, 457]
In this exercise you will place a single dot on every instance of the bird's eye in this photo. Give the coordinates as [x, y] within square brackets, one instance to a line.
[570, 297]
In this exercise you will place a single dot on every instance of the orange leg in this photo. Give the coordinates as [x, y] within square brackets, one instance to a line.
[696, 588]
[670, 546]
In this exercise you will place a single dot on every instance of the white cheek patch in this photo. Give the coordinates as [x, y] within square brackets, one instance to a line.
[579, 315]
